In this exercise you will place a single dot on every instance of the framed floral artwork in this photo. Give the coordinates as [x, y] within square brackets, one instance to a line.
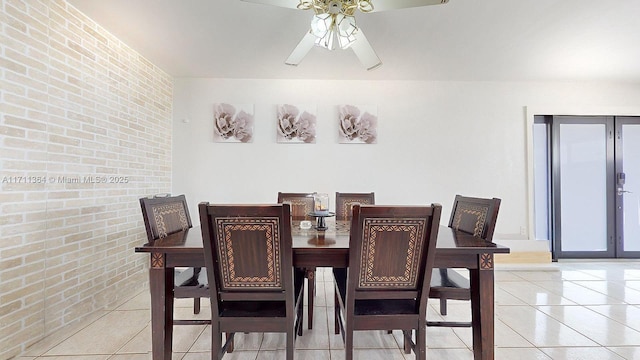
[296, 124]
[232, 123]
[357, 124]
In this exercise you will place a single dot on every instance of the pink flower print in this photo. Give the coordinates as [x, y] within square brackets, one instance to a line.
[287, 125]
[224, 121]
[243, 130]
[306, 125]
[349, 121]
[367, 128]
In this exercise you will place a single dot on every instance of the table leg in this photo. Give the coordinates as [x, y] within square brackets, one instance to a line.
[161, 288]
[482, 308]
[311, 283]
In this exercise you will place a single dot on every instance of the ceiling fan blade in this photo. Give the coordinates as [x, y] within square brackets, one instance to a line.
[291, 4]
[365, 53]
[301, 50]
[384, 5]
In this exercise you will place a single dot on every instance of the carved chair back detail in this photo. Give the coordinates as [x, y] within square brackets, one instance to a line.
[249, 253]
[301, 204]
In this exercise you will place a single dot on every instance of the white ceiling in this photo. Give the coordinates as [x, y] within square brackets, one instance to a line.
[485, 40]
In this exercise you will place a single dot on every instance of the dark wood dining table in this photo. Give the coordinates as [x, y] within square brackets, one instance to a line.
[328, 248]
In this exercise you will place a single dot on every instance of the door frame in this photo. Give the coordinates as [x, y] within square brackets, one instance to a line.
[619, 202]
[531, 112]
[556, 176]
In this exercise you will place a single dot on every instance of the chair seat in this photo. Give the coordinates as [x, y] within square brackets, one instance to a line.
[262, 308]
[385, 307]
[449, 284]
[373, 307]
[188, 283]
[186, 277]
[253, 309]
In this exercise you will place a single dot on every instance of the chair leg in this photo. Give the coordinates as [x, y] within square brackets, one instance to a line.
[196, 305]
[290, 341]
[301, 308]
[443, 306]
[216, 342]
[421, 341]
[196, 301]
[336, 313]
[299, 315]
[230, 347]
[300, 322]
[406, 340]
[348, 343]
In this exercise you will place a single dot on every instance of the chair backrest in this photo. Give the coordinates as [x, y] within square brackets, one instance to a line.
[391, 252]
[248, 251]
[475, 216]
[301, 204]
[345, 201]
[164, 215]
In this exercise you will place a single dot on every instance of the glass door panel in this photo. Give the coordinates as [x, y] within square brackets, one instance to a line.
[628, 186]
[583, 167]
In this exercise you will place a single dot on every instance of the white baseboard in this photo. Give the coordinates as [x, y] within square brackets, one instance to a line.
[524, 252]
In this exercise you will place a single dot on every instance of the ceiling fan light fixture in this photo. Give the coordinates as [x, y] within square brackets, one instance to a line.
[335, 19]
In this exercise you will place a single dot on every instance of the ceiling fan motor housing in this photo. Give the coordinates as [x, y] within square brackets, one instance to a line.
[335, 7]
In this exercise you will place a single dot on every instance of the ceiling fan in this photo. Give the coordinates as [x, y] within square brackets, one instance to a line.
[334, 19]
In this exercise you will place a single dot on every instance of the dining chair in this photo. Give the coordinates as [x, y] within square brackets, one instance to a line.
[344, 202]
[391, 256]
[164, 215]
[249, 261]
[476, 216]
[344, 209]
[301, 207]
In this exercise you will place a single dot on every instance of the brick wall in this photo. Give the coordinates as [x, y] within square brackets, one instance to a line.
[85, 130]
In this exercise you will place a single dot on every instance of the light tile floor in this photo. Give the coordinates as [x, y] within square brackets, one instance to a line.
[569, 310]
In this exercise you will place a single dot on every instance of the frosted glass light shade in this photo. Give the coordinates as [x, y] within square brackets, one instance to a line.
[346, 30]
[320, 25]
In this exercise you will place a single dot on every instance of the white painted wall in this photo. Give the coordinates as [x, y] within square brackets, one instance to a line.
[436, 139]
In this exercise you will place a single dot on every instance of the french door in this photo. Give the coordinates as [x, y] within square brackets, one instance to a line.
[595, 182]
